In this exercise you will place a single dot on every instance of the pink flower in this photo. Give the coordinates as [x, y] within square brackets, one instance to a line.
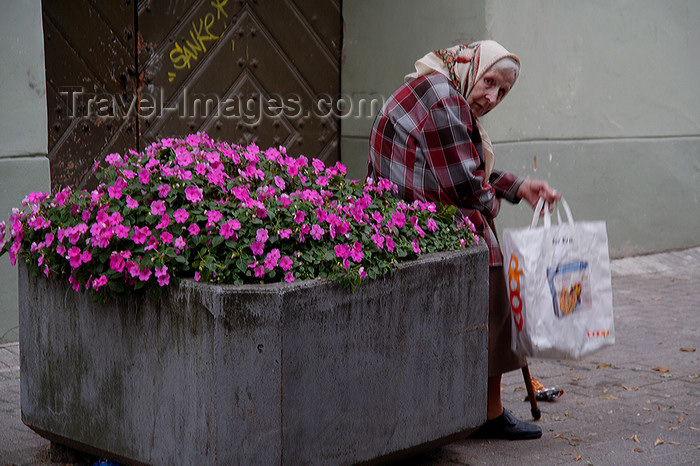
[181, 215]
[129, 174]
[144, 176]
[193, 229]
[378, 240]
[140, 234]
[157, 207]
[317, 232]
[272, 259]
[131, 203]
[288, 277]
[285, 263]
[74, 283]
[356, 253]
[432, 226]
[200, 168]
[280, 183]
[257, 247]
[74, 256]
[262, 235]
[197, 276]
[162, 275]
[213, 216]
[321, 215]
[286, 233]
[416, 246]
[418, 228]
[259, 271]
[183, 157]
[166, 237]
[85, 257]
[152, 243]
[114, 160]
[99, 282]
[318, 165]
[114, 192]
[163, 190]
[226, 231]
[390, 243]
[122, 231]
[361, 272]
[179, 243]
[193, 194]
[299, 216]
[144, 274]
[164, 222]
[117, 262]
[132, 268]
[342, 250]
[61, 196]
[398, 219]
[216, 177]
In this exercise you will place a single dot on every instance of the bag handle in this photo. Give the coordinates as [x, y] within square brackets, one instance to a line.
[547, 215]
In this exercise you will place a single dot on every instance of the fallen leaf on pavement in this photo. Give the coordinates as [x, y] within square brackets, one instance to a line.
[658, 442]
[561, 436]
[688, 350]
[608, 397]
[574, 379]
[634, 437]
[578, 458]
[661, 369]
[639, 450]
[602, 366]
[626, 388]
[674, 443]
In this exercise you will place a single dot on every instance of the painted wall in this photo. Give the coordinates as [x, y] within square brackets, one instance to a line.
[607, 106]
[23, 134]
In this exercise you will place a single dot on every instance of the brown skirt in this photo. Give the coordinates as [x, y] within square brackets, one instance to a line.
[501, 358]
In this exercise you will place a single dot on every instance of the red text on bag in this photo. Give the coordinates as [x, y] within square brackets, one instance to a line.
[516, 303]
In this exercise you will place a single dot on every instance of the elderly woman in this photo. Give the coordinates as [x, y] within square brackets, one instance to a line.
[428, 140]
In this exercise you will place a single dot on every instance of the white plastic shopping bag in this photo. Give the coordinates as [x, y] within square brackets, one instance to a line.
[559, 285]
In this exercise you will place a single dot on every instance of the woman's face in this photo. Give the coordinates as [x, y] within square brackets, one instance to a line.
[490, 90]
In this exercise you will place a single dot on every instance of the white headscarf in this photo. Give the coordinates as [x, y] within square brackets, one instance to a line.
[464, 65]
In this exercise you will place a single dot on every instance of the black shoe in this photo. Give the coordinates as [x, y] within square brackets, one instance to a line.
[508, 427]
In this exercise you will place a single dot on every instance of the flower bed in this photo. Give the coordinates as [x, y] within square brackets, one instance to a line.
[222, 213]
[247, 356]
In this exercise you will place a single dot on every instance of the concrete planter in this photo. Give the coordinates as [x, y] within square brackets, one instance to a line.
[296, 373]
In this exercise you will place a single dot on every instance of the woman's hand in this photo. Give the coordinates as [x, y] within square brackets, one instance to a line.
[533, 190]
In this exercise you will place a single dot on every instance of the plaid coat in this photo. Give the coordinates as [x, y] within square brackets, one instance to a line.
[426, 141]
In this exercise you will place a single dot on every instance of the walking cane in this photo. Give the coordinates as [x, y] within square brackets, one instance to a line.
[536, 414]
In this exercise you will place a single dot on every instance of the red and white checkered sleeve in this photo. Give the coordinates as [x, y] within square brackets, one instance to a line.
[454, 158]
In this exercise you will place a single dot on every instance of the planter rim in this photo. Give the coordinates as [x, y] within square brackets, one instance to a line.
[282, 287]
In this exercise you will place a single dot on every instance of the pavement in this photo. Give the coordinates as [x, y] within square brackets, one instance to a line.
[637, 402]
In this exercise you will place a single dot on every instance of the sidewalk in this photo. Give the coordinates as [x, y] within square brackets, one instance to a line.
[637, 402]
